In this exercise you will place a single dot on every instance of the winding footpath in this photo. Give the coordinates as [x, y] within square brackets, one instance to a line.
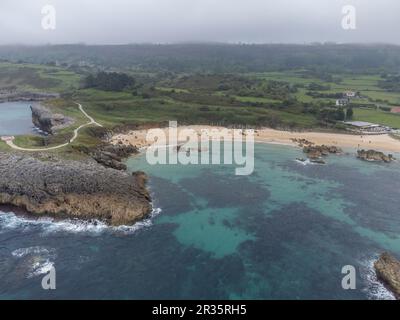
[9, 140]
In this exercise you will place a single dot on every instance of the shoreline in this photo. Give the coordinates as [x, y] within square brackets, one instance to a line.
[382, 142]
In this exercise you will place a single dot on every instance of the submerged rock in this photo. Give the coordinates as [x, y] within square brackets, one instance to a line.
[318, 161]
[372, 155]
[387, 270]
[73, 189]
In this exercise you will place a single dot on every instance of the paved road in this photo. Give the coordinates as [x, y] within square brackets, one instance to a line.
[76, 133]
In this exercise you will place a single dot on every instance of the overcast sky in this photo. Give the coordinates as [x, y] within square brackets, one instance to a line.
[171, 21]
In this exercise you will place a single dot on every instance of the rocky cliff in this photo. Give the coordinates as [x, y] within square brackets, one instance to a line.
[110, 156]
[388, 271]
[72, 189]
[47, 121]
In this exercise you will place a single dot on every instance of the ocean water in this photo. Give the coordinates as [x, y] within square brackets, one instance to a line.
[15, 118]
[284, 232]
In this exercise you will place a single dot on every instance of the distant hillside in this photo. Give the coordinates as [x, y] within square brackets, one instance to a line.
[216, 57]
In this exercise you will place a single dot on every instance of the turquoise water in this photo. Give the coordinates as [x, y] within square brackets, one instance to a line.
[15, 118]
[284, 232]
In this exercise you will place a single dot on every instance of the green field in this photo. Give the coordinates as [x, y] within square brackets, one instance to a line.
[377, 116]
[37, 78]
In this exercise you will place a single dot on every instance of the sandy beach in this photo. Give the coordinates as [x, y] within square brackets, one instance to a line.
[382, 142]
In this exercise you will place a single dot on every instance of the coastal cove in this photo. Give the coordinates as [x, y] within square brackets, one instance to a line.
[284, 232]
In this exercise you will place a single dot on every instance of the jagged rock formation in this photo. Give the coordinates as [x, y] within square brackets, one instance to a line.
[302, 142]
[47, 121]
[73, 189]
[108, 155]
[387, 270]
[316, 152]
[111, 155]
[372, 155]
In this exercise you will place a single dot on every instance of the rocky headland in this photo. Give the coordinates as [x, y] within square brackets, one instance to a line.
[108, 155]
[112, 156]
[372, 155]
[48, 122]
[73, 189]
[387, 270]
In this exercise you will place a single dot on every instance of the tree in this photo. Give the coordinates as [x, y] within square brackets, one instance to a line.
[340, 115]
[349, 113]
[109, 81]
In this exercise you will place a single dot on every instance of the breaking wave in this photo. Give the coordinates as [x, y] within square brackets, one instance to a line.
[23, 252]
[374, 289]
[40, 259]
[307, 162]
[39, 268]
[11, 221]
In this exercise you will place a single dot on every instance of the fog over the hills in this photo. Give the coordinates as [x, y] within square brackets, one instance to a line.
[170, 21]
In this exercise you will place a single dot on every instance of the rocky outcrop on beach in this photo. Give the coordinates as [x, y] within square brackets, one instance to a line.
[387, 270]
[316, 152]
[48, 122]
[303, 142]
[372, 155]
[73, 189]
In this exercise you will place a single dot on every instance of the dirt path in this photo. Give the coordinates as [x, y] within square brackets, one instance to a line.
[10, 142]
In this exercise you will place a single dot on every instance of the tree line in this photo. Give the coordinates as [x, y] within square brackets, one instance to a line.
[109, 81]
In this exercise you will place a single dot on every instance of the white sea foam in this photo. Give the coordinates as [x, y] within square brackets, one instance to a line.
[307, 162]
[40, 259]
[304, 163]
[375, 290]
[22, 252]
[42, 267]
[10, 221]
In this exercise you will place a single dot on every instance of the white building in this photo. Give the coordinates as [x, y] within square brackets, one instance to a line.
[349, 94]
[342, 102]
[368, 127]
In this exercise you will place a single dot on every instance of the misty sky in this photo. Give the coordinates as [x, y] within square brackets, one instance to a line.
[170, 21]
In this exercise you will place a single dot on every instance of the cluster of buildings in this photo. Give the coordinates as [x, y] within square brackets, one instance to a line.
[362, 126]
[345, 100]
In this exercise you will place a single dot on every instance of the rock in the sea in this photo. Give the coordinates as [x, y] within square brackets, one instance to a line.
[315, 152]
[372, 155]
[73, 189]
[388, 271]
[141, 178]
[48, 122]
